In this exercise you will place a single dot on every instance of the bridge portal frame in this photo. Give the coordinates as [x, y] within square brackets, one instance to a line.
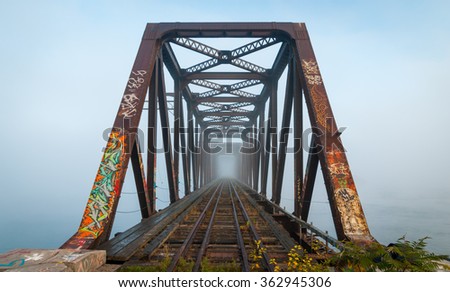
[304, 81]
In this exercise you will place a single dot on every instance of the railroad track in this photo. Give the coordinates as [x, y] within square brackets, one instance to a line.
[222, 230]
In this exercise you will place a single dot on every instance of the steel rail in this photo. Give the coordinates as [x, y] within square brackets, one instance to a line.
[207, 236]
[313, 229]
[252, 228]
[240, 239]
[188, 241]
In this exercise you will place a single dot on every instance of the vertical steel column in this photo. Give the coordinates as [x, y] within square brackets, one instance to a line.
[176, 134]
[262, 146]
[164, 114]
[273, 132]
[255, 156]
[152, 135]
[139, 178]
[185, 153]
[244, 164]
[265, 173]
[257, 153]
[249, 167]
[191, 149]
[200, 158]
[310, 178]
[209, 167]
[198, 154]
[207, 170]
[298, 141]
[284, 136]
[205, 161]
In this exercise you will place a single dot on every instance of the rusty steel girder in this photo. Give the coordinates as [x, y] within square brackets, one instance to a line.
[243, 103]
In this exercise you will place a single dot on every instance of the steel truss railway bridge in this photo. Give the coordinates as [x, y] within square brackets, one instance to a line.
[222, 93]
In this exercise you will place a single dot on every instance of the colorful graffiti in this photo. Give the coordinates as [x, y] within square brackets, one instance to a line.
[12, 263]
[106, 188]
[105, 191]
[314, 79]
[22, 260]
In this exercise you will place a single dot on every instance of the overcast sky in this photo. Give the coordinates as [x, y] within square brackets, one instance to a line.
[64, 65]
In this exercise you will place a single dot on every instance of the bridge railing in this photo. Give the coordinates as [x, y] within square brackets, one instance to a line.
[315, 232]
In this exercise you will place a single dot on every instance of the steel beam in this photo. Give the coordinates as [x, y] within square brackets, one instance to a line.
[265, 170]
[244, 168]
[249, 167]
[225, 29]
[236, 92]
[310, 178]
[261, 151]
[175, 71]
[226, 99]
[255, 157]
[176, 133]
[226, 88]
[208, 167]
[201, 159]
[185, 154]
[254, 46]
[281, 60]
[223, 76]
[284, 135]
[226, 114]
[196, 46]
[164, 115]
[171, 61]
[191, 148]
[230, 124]
[139, 178]
[152, 138]
[273, 121]
[277, 69]
[197, 154]
[210, 63]
[241, 63]
[298, 141]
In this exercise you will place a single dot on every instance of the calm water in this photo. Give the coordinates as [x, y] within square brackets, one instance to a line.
[414, 223]
[389, 222]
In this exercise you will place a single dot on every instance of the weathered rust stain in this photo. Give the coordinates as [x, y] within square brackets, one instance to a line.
[314, 80]
[345, 196]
